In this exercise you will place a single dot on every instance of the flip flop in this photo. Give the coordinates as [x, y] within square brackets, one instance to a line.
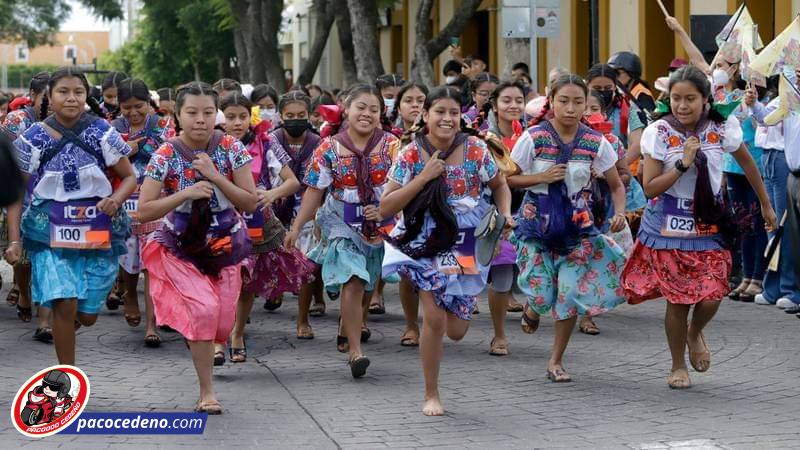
[24, 314]
[219, 358]
[366, 333]
[558, 376]
[306, 334]
[13, 296]
[358, 366]
[498, 350]
[677, 382]
[487, 234]
[152, 341]
[113, 301]
[211, 408]
[529, 322]
[589, 327]
[271, 304]
[133, 319]
[44, 334]
[317, 310]
[238, 355]
[377, 308]
[409, 341]
[515, 307]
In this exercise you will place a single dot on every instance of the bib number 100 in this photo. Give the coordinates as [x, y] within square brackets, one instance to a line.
[71, 234]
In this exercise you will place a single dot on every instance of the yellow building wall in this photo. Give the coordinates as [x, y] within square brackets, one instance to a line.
[88, 45]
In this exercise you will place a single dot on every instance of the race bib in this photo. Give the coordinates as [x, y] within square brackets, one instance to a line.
[131, 205]
[255, 223]
[354, 217]
[79, 224]
[679, 219]
[460, 260]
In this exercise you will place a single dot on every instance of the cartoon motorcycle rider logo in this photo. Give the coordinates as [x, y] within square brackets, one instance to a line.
[49, 400]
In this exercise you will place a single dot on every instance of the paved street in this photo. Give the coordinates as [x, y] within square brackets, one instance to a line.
[299, 394]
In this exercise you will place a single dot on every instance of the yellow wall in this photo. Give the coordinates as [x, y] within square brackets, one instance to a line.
[88, 45]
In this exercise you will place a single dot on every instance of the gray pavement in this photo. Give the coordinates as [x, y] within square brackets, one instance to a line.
[299, 394]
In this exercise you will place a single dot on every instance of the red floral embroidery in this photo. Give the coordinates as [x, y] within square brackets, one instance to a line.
[459, 187]
[474, 153]
[713, 137]
[674, 141]
[349, 180]
[378, 177]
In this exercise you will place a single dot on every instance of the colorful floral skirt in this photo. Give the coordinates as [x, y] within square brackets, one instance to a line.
[272, 273]
[199, 307]
[584, 281]
[85, 275]
[682, 277]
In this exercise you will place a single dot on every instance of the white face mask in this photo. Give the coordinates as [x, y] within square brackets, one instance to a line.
[389, 103]
[269, 114]
[720, 77]
[450, 79]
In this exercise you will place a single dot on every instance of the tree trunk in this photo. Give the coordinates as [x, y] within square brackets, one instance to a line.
[241, 54]
[346, 42]
[251, 61]
[323, 10]
[421, 66]
[364, 26]
[270, 25]
[517, 50]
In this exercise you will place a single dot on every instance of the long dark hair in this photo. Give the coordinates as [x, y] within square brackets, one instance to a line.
[492, 103]
[69, 72]
[113, 79]
[294, 97]
[395, 112]
[708, 209]
[389, 80]
[38, 85]
[261, 91]
[133, 88]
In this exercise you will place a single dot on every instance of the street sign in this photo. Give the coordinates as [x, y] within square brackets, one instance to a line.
[516, 18]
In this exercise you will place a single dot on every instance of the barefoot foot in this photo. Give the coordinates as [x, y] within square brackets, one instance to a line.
[433, 407]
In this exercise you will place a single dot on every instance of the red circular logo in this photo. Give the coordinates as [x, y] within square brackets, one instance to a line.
[50, 400]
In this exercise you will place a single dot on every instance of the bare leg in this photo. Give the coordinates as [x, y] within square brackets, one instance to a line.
[563, 331]
[64, 312]
[303, 305]
[377, 294]
[131, 297]
[702, 315]
[498, 305]
[410, 302]
[353, 301]
[243, 308]
[675, 326]
[22, 278]
[430, 351]
[148, 308]
[700, 355]
[203, 358]
[318, 288]
[45, 316]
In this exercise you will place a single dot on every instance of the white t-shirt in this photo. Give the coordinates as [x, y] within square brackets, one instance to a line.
[663, 143]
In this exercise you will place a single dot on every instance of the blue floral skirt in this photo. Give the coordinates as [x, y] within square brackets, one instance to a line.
[584, 281]
[85, 275]
[341, 259]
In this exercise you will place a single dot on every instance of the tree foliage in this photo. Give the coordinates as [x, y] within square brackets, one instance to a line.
[35, 21]
[177, 41]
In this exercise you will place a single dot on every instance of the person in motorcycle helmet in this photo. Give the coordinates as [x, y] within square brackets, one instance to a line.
[629, 73]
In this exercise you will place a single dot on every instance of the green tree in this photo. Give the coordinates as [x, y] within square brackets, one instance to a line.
[177, 41]
[35, 21]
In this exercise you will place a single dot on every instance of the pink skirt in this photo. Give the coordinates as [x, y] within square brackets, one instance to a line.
[682, 277]
[272, 273]
[197, 306]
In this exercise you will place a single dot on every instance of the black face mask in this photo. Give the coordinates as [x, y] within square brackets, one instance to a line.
[607, 96]
[295, 127]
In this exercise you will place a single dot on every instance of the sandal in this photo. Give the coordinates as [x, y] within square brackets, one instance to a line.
[271, 304]
[700, 360]
[341, 341]
[332, 295]
[133, 319]
[238, 355]
[498, 350]
[410, 339]
[514, 306]
[219, 358]
[366, 333]
[587, 326]
[679, 379]
[358, 366]
[24, 314]
[211, 408]
[749, 295]
[528, 324]
[558, 375]
[305, 332]
[317, 309]
[152, 341]
[13, 296]
[734, 294]
[44, 334]
[377, 308]
[113, 301]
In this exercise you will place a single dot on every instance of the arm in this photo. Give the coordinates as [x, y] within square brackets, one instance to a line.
[745, 160]
[242, 191]
[289, 186]
[312, 199]
[501, 194]
[151, 207]
[656, 183]
[617, 196]
[634, 152]
[694, 53]
[13, 215]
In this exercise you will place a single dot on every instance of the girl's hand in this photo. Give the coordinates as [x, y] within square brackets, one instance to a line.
[555, 173]
[509, 226]
[617, 222]
[371, 212]
[690, 148]
[290, 240]
[13, 252]
[770, 218]
[108, 206]
[266, 198]
[433, 168]
[203, 164]
[750, 96]
[200, 190]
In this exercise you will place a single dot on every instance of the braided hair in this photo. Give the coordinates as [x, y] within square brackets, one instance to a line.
[38, 85]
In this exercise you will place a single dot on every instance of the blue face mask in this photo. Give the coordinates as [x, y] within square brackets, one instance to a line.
[389, 104]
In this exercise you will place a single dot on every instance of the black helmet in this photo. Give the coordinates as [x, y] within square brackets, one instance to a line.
[59, 381]
[627, 61]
